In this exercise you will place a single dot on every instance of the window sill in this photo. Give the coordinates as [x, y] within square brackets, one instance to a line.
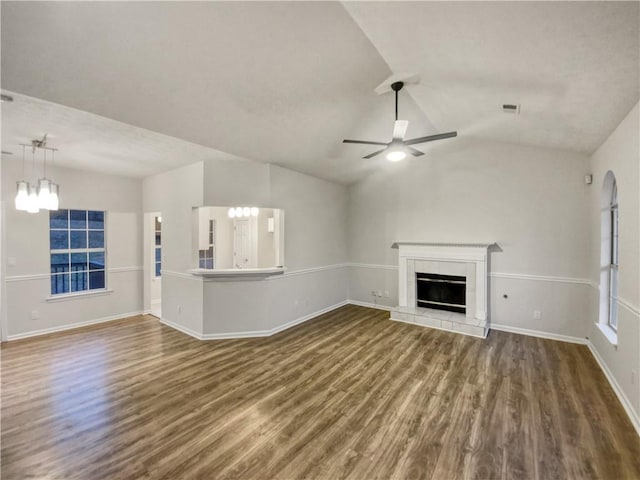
[76, 295]
[609, 333]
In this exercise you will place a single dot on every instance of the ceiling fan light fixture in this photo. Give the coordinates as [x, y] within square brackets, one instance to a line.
[396, 155]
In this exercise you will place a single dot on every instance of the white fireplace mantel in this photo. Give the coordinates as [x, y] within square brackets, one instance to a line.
[447, 258]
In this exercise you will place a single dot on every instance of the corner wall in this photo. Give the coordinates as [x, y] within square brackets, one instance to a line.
[26, 260]
[620, 153]
[315, 248]
[530, 201]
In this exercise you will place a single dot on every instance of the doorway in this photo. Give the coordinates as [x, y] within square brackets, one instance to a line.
[153, 263]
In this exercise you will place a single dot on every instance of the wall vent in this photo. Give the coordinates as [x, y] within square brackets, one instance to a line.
[511, 108]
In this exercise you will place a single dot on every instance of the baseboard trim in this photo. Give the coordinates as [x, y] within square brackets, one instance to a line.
[308, 317]
[180, 328]
[370, 305]
[626, 404]
[72, 326]
[253, 333]
[537, 333]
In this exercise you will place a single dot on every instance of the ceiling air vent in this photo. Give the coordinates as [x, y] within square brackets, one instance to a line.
[511, 108]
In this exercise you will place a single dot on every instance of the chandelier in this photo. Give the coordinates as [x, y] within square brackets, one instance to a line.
[32, 198]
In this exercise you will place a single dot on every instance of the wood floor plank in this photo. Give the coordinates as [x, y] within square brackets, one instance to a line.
[349, 394]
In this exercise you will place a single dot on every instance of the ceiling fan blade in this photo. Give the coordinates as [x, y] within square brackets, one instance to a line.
[371, 155]
[430, 138]
[400, 129]
[365, 142]
[414, 152]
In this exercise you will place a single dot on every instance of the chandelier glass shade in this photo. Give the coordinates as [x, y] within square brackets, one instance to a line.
[239, 212]
[45, 196]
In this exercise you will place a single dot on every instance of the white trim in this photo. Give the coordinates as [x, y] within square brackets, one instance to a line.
[626, 404]
[608, 333]
[515, 276]
[371, 265]
[76, 295]
[273, 331]
[304, 271]
[540, 278]
[23, 278]
[72, 326]
[125, 269]
[180, 328]
[46, 276]
[623, 303]
[538, 333]
[628, 306]
[370, 305]
[172, 273]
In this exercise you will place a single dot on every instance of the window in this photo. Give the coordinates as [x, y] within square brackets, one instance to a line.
[207, 257]
[609, 259]
[158, 253]
[78, 255]
[612, 319]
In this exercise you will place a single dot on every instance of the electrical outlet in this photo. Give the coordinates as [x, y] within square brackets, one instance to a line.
[537, 315]
[35, 314]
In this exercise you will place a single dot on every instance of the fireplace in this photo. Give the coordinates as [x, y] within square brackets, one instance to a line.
[443, 286]
[441, 292]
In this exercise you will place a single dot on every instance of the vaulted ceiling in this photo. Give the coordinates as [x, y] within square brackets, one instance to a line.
[140, 87]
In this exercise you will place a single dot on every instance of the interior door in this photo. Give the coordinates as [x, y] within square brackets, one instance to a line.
[241, 243]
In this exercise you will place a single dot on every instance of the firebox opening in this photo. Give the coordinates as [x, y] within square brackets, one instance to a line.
[441, 292]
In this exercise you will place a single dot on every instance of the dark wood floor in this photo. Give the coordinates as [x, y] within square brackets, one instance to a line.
[349, 394]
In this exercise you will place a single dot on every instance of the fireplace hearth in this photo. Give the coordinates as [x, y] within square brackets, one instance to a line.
[443, 286]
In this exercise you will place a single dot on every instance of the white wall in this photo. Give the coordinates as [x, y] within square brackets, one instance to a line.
[620, 154]
[315, 249]
[174, 194]
[532, 202]
[26, 241]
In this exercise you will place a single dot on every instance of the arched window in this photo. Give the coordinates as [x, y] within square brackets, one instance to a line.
[609, 253]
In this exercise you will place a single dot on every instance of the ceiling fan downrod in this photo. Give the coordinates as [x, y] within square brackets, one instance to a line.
[396, 87]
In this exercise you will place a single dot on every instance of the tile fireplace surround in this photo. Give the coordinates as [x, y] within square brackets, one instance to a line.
[460, 259]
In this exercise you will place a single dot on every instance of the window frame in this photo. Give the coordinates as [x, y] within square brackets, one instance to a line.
[157, 230]
[85, 250]
[614, 260]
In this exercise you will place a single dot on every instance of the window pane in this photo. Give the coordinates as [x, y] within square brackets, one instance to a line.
[96, 261]
[209, 263]
[157, 269]
[59, 283]
[158, 254]
[202, 263]
[96, 279]
[96, 239]
[59, 219]
[59, 239]
[78, 239]
[78, 281]
[59, 262]
[78, 219]
[96, 220]
[78, 261]
[157, 238]
[158, 224]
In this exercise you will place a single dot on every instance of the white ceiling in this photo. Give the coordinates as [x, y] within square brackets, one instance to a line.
[573, 66]
[285, 82]
[87, 141]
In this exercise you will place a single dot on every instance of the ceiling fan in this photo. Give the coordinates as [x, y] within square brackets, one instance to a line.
[398, 147]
